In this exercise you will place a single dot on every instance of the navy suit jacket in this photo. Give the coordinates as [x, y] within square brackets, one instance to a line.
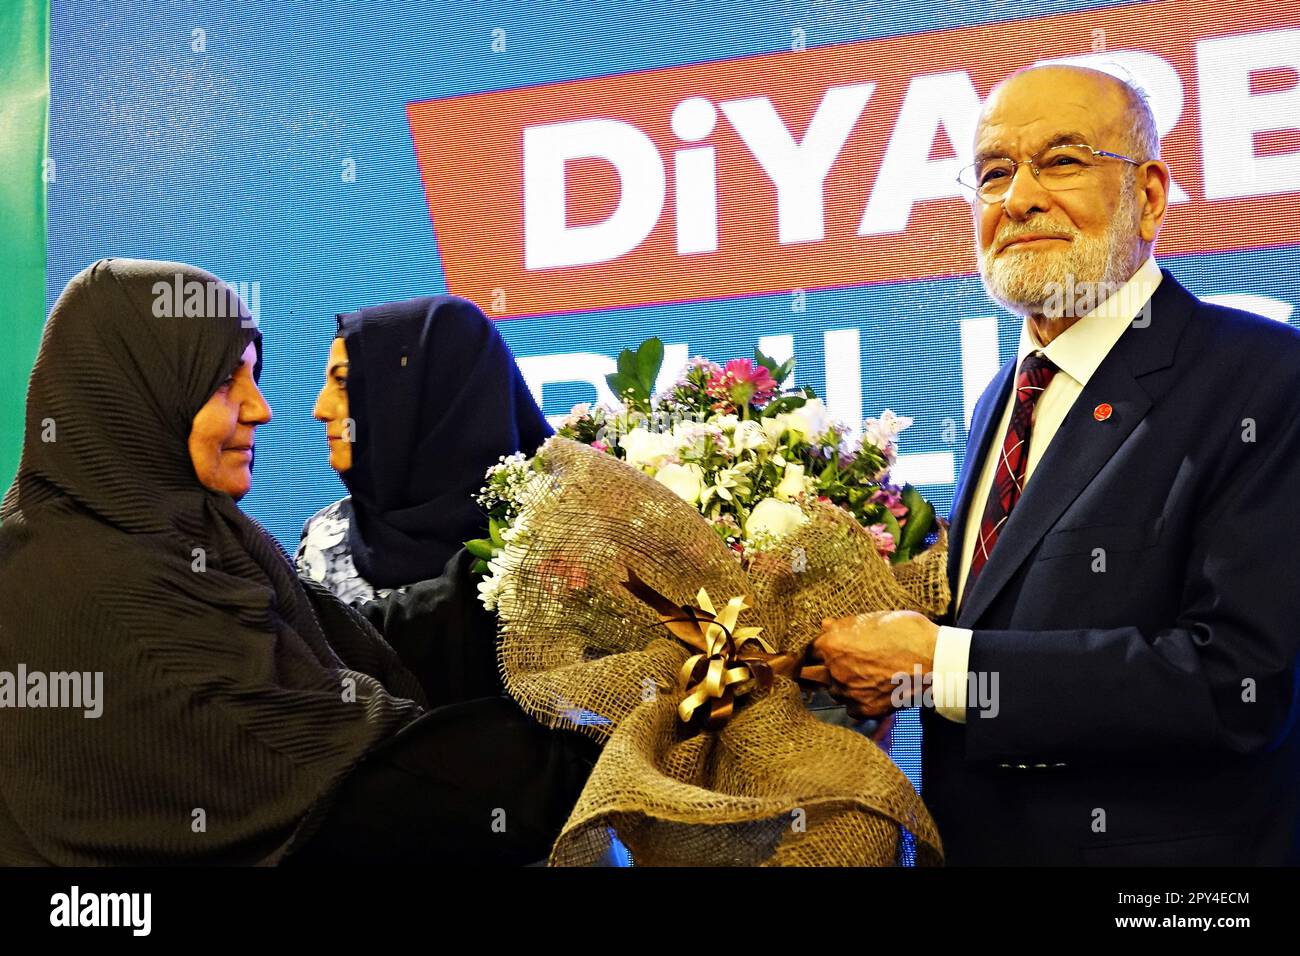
[1145, 713]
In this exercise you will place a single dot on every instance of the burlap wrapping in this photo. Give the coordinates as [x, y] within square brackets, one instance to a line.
[775, 786]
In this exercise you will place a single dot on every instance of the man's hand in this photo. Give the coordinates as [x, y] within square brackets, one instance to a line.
[863, 654]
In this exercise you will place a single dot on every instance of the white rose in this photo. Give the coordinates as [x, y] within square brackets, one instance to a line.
[803, 424]
[685, 481]
[792, 482]
[774, 518]
[688, 437]
[809, 422]
[646, 449]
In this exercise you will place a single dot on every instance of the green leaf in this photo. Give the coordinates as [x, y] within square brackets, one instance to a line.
[650, 358]
[479, 567]
[627, 366]
[786, 403]
[494, 532]
[634, 382]
[624, 380]
[783, 372]
[481, 548]
[767, 363]
[892, 526]
[920, 519]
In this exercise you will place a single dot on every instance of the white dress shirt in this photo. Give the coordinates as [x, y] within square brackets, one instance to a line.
[1076, 353]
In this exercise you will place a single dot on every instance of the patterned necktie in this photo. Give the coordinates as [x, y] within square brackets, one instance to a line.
[1009, 479]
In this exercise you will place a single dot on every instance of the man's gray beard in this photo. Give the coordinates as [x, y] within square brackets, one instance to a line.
[1040, 285]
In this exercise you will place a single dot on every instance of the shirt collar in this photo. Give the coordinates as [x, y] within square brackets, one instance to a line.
[1081, 348]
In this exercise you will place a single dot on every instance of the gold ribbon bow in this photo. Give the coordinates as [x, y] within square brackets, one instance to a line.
[732, 661]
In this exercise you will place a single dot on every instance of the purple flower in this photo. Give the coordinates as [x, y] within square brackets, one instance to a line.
[890, 498]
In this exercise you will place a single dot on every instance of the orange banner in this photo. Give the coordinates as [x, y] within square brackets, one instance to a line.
[834, 166]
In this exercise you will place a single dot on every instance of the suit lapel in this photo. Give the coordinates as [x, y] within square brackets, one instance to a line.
[1078, 451]
[1080, 448]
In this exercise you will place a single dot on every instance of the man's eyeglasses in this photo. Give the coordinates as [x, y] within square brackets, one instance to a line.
[1055, 168]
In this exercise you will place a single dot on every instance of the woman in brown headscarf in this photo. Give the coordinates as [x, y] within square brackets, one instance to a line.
[246, 716]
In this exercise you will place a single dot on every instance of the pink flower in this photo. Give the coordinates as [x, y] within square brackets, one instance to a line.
[600, 445]
[742, 382]
[885, 544]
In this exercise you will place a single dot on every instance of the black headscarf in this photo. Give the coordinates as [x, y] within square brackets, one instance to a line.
[437, 399]
[228, 717]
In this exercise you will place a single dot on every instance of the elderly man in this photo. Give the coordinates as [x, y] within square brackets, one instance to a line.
[1115, 682]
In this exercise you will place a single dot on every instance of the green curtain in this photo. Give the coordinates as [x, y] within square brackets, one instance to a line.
[24, 137]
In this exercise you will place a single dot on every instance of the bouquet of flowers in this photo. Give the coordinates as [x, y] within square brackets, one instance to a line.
[728, 440]
[658, 570]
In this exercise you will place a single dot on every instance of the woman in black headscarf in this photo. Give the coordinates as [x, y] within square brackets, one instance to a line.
[420, 398]
[245, 717]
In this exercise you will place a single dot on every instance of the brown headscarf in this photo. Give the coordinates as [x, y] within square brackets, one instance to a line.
[234, 699]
